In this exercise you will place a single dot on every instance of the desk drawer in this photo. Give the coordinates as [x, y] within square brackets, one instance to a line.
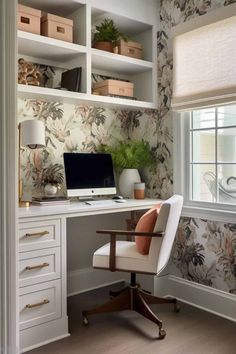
[35, 235]
[40, 303]
[39, 266]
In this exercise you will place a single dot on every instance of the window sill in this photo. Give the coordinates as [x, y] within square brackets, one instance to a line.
[216, 213]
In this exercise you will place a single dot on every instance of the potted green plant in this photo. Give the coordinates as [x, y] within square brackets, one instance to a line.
[128, 158]
[50, 178]
[107, 35]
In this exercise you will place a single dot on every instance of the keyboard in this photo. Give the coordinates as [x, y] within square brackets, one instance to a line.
[105, 202]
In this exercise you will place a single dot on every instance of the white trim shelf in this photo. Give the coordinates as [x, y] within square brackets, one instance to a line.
[38, 46]
[32, 92]
[118, 63]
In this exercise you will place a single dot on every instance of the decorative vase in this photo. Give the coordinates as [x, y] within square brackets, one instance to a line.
[128, 177]
[50, 189]
[102, 45]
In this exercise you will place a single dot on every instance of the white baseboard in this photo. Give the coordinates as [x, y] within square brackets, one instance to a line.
[204, 297]
[37, 336]
[82, 280]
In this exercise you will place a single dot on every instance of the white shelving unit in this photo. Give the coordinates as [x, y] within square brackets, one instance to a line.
[46, 321]
[49, 51]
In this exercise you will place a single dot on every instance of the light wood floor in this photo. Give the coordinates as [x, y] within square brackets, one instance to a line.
[191, 331]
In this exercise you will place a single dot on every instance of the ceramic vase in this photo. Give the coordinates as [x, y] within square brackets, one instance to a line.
[50, 189]
[128, 177]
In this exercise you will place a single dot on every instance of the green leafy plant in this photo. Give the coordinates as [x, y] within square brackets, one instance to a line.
[53, 174]
[108, 32]
[133, 154]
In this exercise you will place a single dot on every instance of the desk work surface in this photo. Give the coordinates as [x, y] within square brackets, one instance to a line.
[80, 208]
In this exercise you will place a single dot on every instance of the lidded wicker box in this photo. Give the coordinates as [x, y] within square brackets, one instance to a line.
[28, 19]
[114, 87]
[130, 49]
[57, 27]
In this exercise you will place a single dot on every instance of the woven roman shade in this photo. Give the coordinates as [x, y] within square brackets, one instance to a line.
[204, 59]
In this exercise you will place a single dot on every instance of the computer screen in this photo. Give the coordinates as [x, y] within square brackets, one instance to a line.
[89, 174]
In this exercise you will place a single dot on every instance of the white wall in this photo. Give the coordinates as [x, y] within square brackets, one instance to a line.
[141, 10]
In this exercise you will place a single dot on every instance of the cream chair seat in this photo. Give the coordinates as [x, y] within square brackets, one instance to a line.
[127, 257]
[123, 256]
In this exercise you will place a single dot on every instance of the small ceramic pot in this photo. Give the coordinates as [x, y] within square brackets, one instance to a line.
[50, 189]
[128, 177]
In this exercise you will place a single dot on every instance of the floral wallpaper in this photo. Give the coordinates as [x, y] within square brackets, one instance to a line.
[71, 128]
[205, 251]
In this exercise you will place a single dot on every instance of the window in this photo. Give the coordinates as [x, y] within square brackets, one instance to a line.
[212, 155]
[204, 75]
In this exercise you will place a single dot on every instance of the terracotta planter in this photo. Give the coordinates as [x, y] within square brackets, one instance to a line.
[107, 46]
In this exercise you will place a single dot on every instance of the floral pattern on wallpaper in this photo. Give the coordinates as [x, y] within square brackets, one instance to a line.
[205, 251]
[71, 128]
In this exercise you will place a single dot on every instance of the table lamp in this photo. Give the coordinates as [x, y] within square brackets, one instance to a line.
[31, 135]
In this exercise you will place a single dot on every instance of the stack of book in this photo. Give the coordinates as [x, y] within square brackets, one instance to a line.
[53, 200]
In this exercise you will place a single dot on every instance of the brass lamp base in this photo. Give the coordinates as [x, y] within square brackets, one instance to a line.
[24, 204]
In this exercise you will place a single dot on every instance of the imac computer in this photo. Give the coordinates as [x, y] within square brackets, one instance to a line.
[89, 174]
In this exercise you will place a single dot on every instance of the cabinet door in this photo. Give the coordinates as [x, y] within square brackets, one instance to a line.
[39, 266]
[35, 235]
[40, 303]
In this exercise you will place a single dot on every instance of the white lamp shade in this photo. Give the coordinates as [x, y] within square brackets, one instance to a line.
[33, 134]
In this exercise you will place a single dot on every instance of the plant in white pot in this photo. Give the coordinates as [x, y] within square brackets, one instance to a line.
[51, 178]
[128, 158]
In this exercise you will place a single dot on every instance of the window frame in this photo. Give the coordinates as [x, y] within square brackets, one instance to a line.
[181, 175]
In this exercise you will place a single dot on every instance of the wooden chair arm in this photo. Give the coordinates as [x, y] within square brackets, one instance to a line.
[130, 233]
[114, 233]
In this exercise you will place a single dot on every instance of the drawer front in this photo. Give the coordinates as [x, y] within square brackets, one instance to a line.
[39, 266]
[40, 303]
[39, 234]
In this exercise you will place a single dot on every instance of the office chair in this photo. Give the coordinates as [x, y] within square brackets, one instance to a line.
[124, 256]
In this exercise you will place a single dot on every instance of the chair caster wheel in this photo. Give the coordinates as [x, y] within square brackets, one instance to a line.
[162, 334]
[85, 320]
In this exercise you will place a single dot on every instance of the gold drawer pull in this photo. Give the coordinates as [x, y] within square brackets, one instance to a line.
[38, 266]
[44, 302]
[43, 233]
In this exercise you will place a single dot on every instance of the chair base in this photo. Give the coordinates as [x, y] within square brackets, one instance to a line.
[133, 298]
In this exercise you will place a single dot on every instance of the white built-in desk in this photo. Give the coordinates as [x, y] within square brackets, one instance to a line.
[43, 266]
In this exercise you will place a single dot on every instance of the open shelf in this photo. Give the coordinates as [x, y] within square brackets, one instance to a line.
[35, 45]
[60, 8]
[61, 55]
[118, 63]
[48, 94]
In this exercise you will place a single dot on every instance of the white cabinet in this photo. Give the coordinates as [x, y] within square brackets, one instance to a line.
[37, 235]
[42, 281]
[86, 14]
[40, 304]
[39, 266]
